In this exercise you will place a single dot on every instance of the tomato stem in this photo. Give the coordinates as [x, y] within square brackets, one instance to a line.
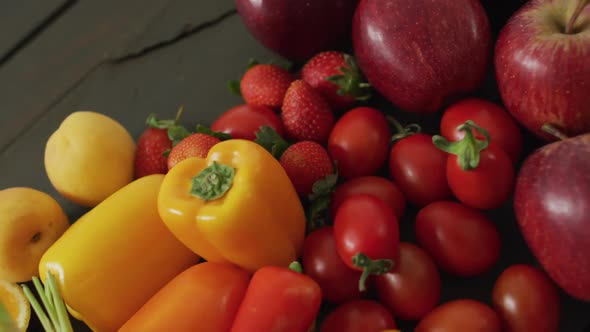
[370, 267]
[401, 131]
[467, 149]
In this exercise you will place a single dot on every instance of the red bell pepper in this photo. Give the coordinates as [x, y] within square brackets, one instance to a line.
[279, 300]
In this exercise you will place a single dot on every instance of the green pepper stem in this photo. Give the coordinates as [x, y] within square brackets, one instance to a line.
[45, 321]
[53, 314]
[370, 267]
[59, 306]
[467, 149]
[296, 266]
[212, 182]
[46, 300]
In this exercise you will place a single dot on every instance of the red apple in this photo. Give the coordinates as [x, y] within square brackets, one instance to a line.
[542, 65]
[298, 29]
[422, 54]
[552, 206]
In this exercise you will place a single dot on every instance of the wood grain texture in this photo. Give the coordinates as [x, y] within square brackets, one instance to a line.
[67, 50]
[21, 21]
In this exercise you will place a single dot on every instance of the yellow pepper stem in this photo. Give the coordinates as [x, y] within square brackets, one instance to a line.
[212, 182]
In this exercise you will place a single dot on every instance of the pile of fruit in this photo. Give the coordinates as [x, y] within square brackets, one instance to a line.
[284, 214]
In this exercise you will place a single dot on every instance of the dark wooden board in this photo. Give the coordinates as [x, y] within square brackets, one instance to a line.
[87, 36]
[22, 21]
[159, 72]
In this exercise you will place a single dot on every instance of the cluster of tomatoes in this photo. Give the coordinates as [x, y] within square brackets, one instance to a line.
[450, 180]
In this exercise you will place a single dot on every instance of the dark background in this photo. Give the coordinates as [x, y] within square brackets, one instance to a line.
[127, 59]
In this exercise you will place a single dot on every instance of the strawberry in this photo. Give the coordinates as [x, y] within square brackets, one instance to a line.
[337, 77]
[265, 85]
[305, 113]
[195, 145]
[154, 144]
[306, 162]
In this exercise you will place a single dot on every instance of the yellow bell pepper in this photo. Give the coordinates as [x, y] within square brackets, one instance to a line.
[236, 205]
[115, 257]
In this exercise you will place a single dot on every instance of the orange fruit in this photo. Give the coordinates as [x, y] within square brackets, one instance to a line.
[16, 304]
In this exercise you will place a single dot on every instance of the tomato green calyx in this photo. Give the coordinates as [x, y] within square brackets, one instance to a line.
[467, 149]
[569, 28]
[296, 266]
[370, 267]
[554, 131]
[402, 132]
[351, 82]
[212, 182]
[52, 311]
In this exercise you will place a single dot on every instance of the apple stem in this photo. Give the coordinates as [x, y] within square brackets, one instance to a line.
[572, 22]
[553, 131]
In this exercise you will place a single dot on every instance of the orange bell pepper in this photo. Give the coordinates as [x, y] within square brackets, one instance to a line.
[205, 297]
[236, 205]
[115, 257]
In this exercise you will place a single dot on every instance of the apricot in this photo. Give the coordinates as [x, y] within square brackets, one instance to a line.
[31, 222]
[89, 157]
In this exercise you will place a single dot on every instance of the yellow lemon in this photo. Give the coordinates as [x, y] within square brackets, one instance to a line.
[89, 157]
[16, 304]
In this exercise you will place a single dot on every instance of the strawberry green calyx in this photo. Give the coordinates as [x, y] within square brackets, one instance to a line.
[154, 122]
[269, 139]
[467, 149]
[212, 182]
[234, 85]
[320, 199]
[351, 82]
[206, 130]
[176, 133]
